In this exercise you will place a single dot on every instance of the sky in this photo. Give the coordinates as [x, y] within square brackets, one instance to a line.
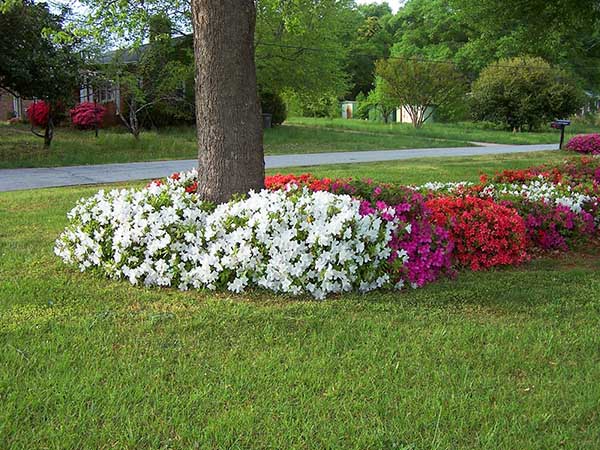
[395, 4]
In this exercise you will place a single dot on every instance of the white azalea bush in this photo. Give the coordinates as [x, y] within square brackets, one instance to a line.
[540, 190]
[293, 242]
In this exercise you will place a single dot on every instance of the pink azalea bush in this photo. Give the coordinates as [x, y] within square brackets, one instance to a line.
[87, 115]
[588, 144]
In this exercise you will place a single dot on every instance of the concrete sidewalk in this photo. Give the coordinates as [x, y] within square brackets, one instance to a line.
[18, 179]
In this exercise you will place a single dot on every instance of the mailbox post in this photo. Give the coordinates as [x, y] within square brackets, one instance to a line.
[561, 125]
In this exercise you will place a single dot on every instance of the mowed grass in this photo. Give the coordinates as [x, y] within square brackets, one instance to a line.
[507, 359]
[469, 131]
[20, 148]
[423, 170]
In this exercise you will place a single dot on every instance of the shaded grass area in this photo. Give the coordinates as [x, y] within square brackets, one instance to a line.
[505, 359]
[469, 131]
[19, 148]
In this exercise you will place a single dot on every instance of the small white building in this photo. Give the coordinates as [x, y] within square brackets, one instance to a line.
[348, 109]
[402, 115]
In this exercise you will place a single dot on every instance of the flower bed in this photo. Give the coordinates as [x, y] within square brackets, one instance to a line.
[304, 235]
[288, 241]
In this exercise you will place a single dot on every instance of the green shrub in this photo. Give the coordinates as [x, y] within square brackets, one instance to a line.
[272, 103]
[524, 92]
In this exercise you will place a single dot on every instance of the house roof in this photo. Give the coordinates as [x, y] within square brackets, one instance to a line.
[134, 54]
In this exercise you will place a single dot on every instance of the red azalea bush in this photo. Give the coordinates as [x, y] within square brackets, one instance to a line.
[87, 115]
[585, 143]
[524, 175]
[485, 234]
[38, 113]
[281, 181]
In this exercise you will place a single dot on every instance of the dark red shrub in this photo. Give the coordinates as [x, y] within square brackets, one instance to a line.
[38, 113]
[485, 234]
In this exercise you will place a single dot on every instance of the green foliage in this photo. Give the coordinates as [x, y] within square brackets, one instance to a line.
[32, 64]
[300, 46]
[562, 32]
[524, 92]
[379, 100]
[362, 106]
[430, 29]
[272, 103]
[166, 71]
[311, 106]
[374, 27]
[419, 86]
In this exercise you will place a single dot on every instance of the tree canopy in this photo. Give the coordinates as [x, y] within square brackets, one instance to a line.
[32, 64]
[419, 86]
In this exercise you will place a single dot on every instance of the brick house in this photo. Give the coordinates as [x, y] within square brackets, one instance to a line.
[12, 107]
[107, 93]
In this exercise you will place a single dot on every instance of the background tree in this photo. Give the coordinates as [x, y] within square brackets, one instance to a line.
[524, 92]
[374, 27]
[430, 29]
[379, 100]
[230, 148]
[301, 47]
[563, 32]
[419, 86]
[166, 73]
[33, 64]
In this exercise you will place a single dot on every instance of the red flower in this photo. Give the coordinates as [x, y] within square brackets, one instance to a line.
[38, 113]
[485, 233]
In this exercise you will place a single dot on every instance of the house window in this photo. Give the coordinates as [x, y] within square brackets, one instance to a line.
[18, 107]
[106, 93]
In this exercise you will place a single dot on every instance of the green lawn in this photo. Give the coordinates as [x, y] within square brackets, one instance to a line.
[19, 148]
[508, 359]
[460, 131]
[422, 170]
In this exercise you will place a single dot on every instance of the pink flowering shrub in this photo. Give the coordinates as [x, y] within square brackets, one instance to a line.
[87, 115]
[428, 246]
[554, 227]
[585, 143]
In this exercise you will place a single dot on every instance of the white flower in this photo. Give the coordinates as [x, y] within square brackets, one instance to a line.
[291, 242]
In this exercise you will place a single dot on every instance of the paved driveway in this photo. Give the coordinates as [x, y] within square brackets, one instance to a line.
[17, 179]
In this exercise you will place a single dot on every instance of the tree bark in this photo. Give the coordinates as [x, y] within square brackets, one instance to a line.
[228, 116]
[48, 133]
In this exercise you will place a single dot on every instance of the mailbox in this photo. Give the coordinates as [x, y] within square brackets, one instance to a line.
[561, 125]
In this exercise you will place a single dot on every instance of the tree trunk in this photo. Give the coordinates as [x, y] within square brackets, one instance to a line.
[228, 116]
[48, 133]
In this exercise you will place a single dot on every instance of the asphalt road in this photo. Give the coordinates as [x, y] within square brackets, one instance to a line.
[19, 179]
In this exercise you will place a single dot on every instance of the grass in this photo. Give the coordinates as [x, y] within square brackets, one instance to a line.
[422, 170]
[504, 359]
[469, 131]
[19, 148]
